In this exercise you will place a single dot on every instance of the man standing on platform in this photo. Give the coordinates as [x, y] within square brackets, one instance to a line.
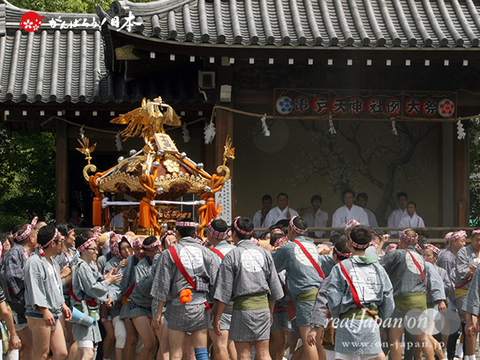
[281, 212]
[261, 214]
[349, 212]
[398, 214]
[411, 220]
[362, 199]
[316, 217]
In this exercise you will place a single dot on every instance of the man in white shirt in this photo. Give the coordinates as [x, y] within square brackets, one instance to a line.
[397, 215]
[315, 217]
[261, 214]
[349, 212]
[281, 212]
[411, 220]
[362, 199]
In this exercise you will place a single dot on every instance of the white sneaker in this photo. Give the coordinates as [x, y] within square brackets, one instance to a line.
[460, 350]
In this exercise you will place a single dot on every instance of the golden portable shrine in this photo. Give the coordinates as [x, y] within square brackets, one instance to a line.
[155, 176]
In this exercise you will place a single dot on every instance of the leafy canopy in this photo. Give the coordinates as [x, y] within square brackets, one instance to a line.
[27, 184]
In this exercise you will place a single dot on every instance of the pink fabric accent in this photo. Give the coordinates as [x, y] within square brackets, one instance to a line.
[186, 224]
[217, 234]
[243, 232]
[432, 247]
[28, 230]
[280, 241]
[391, 246]
[152, 245]
[408, 239]
[296, 229]
[339, 253]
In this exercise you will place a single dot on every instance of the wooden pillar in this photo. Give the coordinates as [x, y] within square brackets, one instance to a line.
[61, 173]
[461, 171]
[224, 127]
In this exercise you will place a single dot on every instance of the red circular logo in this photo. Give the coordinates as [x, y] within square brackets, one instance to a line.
[31, 21]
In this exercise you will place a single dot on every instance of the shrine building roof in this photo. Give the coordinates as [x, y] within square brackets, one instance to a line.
[308, 23]
[61, 63]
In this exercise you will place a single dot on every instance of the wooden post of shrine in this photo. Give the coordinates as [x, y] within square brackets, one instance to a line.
[461, 171]
[61, 173]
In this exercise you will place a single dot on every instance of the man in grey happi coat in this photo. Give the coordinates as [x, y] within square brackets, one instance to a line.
[247, 275]
[187, 305]
[303, 279]
[217, 233]
[409, 275]
[44, 301]
[466, 263]
[359, 292]
[473, 308]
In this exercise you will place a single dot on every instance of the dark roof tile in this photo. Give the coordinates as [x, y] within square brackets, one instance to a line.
[350, 23]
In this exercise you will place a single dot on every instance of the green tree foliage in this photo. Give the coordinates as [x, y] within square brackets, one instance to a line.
[474, 172]
[66, 6]
[27, 184]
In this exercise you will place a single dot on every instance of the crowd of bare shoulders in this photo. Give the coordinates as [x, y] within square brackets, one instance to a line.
[226, 292]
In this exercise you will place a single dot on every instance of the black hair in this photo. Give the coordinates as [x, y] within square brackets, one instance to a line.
[186, 231]
[316, 197]
[341, 245]
[275, 236]
[124, 239]
[244, 224]
[150, 240]
[377, 232]
[263, 235]
[402, 194]
[45, 234]
[281, 224]
[346, 191]
[165, 238]
[412, 203]
[282, 194]
[361, 235]
[86, 234]
[422, 240]
[20, 231]
[300, 223]
[64, 228]
[334, 238]
[16, 228]
[266, 197]
[79, 240]
[362, 195]
[219, 225]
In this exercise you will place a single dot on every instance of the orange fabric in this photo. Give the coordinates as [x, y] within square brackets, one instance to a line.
[185, 296]
[208, 212]
[99, 215]
[144, 217]
[97, 212]
[149, 213]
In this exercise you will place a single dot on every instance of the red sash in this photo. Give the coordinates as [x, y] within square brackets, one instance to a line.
[129, 291]
[89, 302]
[465, 283]
[218, 252]
[418, 267]
[355, 297]
[309, 257]
[184, 272]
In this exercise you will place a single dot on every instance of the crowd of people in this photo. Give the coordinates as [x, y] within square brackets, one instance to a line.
[355, 207]
[228, 294]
